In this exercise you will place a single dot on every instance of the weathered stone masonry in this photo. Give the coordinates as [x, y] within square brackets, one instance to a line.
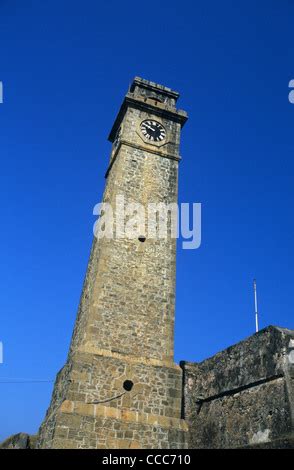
[244, 395]
[125, 325]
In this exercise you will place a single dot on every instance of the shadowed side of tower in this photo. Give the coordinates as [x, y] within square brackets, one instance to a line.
[120, 387]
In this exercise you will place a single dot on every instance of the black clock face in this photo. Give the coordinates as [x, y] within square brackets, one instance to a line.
[153, 131]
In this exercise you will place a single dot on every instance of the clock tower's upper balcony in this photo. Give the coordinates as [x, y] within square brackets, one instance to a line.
[153, 93]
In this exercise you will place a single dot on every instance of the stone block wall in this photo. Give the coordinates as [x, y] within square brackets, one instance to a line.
[89, 392]
[87, 426]
[244, 395]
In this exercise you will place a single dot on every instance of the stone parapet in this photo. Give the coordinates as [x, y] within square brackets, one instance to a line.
[244, 395]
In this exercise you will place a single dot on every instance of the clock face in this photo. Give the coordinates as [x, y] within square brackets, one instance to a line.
[153, 131]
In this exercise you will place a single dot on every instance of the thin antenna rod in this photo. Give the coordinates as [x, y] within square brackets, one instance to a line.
[255, 302]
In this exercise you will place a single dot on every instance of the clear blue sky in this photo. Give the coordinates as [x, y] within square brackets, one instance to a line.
[66, 66]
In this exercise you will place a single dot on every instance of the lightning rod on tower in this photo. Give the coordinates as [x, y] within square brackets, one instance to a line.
[255, 302]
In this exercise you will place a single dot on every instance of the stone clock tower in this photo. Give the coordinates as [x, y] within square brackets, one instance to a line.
[120, 387]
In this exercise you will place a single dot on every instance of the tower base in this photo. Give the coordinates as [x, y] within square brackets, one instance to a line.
[85, 426]
[90, 409]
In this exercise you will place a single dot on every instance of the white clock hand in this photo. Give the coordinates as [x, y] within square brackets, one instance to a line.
[149, 127]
